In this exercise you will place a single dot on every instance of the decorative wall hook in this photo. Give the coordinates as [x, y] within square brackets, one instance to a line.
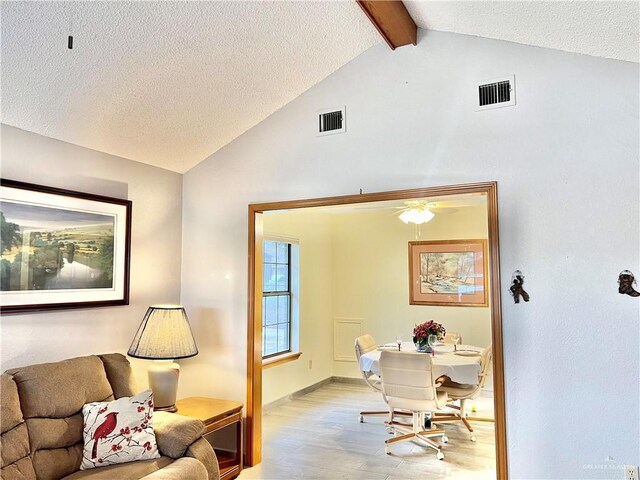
[517, 280]
[626, 281]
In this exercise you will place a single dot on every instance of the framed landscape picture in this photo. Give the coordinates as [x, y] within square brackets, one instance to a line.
[62, 249]
[448, 272]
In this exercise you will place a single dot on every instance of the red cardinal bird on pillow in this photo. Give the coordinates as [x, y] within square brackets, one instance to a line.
[103, 430]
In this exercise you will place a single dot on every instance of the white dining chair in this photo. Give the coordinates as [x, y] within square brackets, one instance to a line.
[408, 383]
[462, 392]
[365, 344]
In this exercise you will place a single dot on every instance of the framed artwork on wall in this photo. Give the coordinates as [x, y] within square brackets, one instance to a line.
[448, 272]
[62, 249]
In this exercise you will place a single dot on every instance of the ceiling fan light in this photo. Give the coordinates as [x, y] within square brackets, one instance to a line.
[417, 216]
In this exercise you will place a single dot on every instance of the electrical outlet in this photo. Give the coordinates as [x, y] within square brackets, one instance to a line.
[630, 472]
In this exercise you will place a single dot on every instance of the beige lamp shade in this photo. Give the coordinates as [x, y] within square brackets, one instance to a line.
[164, 334]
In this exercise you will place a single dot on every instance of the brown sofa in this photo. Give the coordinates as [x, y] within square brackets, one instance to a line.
[41, 425]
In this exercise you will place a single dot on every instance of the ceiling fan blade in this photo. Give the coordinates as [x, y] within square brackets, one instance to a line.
[444, 210]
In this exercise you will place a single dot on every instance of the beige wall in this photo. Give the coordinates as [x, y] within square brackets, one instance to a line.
[371, 276]
[355, 266]
[314, 235]
[155, 249]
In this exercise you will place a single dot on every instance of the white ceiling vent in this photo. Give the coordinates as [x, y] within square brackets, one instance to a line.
[332, 120]
[496, 93]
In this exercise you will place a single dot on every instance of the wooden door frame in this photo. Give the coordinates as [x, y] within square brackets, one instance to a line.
[254, 311]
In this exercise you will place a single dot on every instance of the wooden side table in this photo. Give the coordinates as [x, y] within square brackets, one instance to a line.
[217, 415]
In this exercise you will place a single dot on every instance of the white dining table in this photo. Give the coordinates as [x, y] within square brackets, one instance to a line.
[455, 365]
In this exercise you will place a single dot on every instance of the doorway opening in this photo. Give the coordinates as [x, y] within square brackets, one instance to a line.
[255, 304]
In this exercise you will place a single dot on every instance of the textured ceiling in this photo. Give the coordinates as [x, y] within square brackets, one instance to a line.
[600, 28]
[169, 83]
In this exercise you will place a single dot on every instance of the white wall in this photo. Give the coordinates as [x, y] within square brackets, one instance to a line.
[566, 159]
[371, 276]
[313, 231]
[155, 249]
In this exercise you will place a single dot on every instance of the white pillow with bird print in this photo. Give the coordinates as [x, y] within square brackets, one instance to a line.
[118, 432]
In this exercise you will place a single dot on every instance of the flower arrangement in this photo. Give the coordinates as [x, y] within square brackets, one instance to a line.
[421, 332]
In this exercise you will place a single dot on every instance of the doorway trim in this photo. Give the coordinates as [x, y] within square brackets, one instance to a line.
[253, 425]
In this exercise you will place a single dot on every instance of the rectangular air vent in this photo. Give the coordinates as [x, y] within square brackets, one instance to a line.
[332, 120]
[496, 93]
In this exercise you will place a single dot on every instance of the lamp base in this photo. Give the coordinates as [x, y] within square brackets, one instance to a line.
[163, 381]
[171, 409]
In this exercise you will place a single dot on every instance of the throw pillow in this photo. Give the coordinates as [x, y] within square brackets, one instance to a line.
[119, 431]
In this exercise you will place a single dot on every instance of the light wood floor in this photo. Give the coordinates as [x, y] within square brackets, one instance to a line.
[318, 436]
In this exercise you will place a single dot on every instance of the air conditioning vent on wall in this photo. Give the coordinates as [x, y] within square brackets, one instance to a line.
[332, 120]
[496, 93]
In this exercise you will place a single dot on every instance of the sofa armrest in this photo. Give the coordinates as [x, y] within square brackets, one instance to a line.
[175, 433]
[187, 468]
[203, 451]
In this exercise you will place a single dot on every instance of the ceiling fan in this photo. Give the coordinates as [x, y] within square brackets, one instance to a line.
[421, 211]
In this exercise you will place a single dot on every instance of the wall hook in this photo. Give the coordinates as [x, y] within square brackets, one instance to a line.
[517, 280]
[626, 281]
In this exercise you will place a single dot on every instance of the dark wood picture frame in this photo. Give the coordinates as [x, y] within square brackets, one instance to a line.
[73, 210]
[471, 293]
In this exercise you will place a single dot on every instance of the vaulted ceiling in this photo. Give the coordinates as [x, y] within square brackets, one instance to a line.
[607, 29]
[169, 83]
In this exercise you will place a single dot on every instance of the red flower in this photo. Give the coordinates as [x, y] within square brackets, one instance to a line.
[100, 460]
[422, 331]
[127, 431]
[114, 448]
[140, 409]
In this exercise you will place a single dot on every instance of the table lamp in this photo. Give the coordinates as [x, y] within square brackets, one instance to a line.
[164, 335]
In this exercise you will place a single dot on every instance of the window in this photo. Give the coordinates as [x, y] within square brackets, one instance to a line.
[277, 298]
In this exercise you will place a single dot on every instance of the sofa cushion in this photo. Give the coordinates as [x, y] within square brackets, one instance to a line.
[119, 431]
[54, 432]
[15, 463]
[59, 390]
[11, 413]
[185, 467]
[20, 470]
[52, 464]
[14, 445]
[51, 397]
[120, 375]
[123, 471]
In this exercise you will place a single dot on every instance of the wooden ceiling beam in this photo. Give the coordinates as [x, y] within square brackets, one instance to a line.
[392, 20]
